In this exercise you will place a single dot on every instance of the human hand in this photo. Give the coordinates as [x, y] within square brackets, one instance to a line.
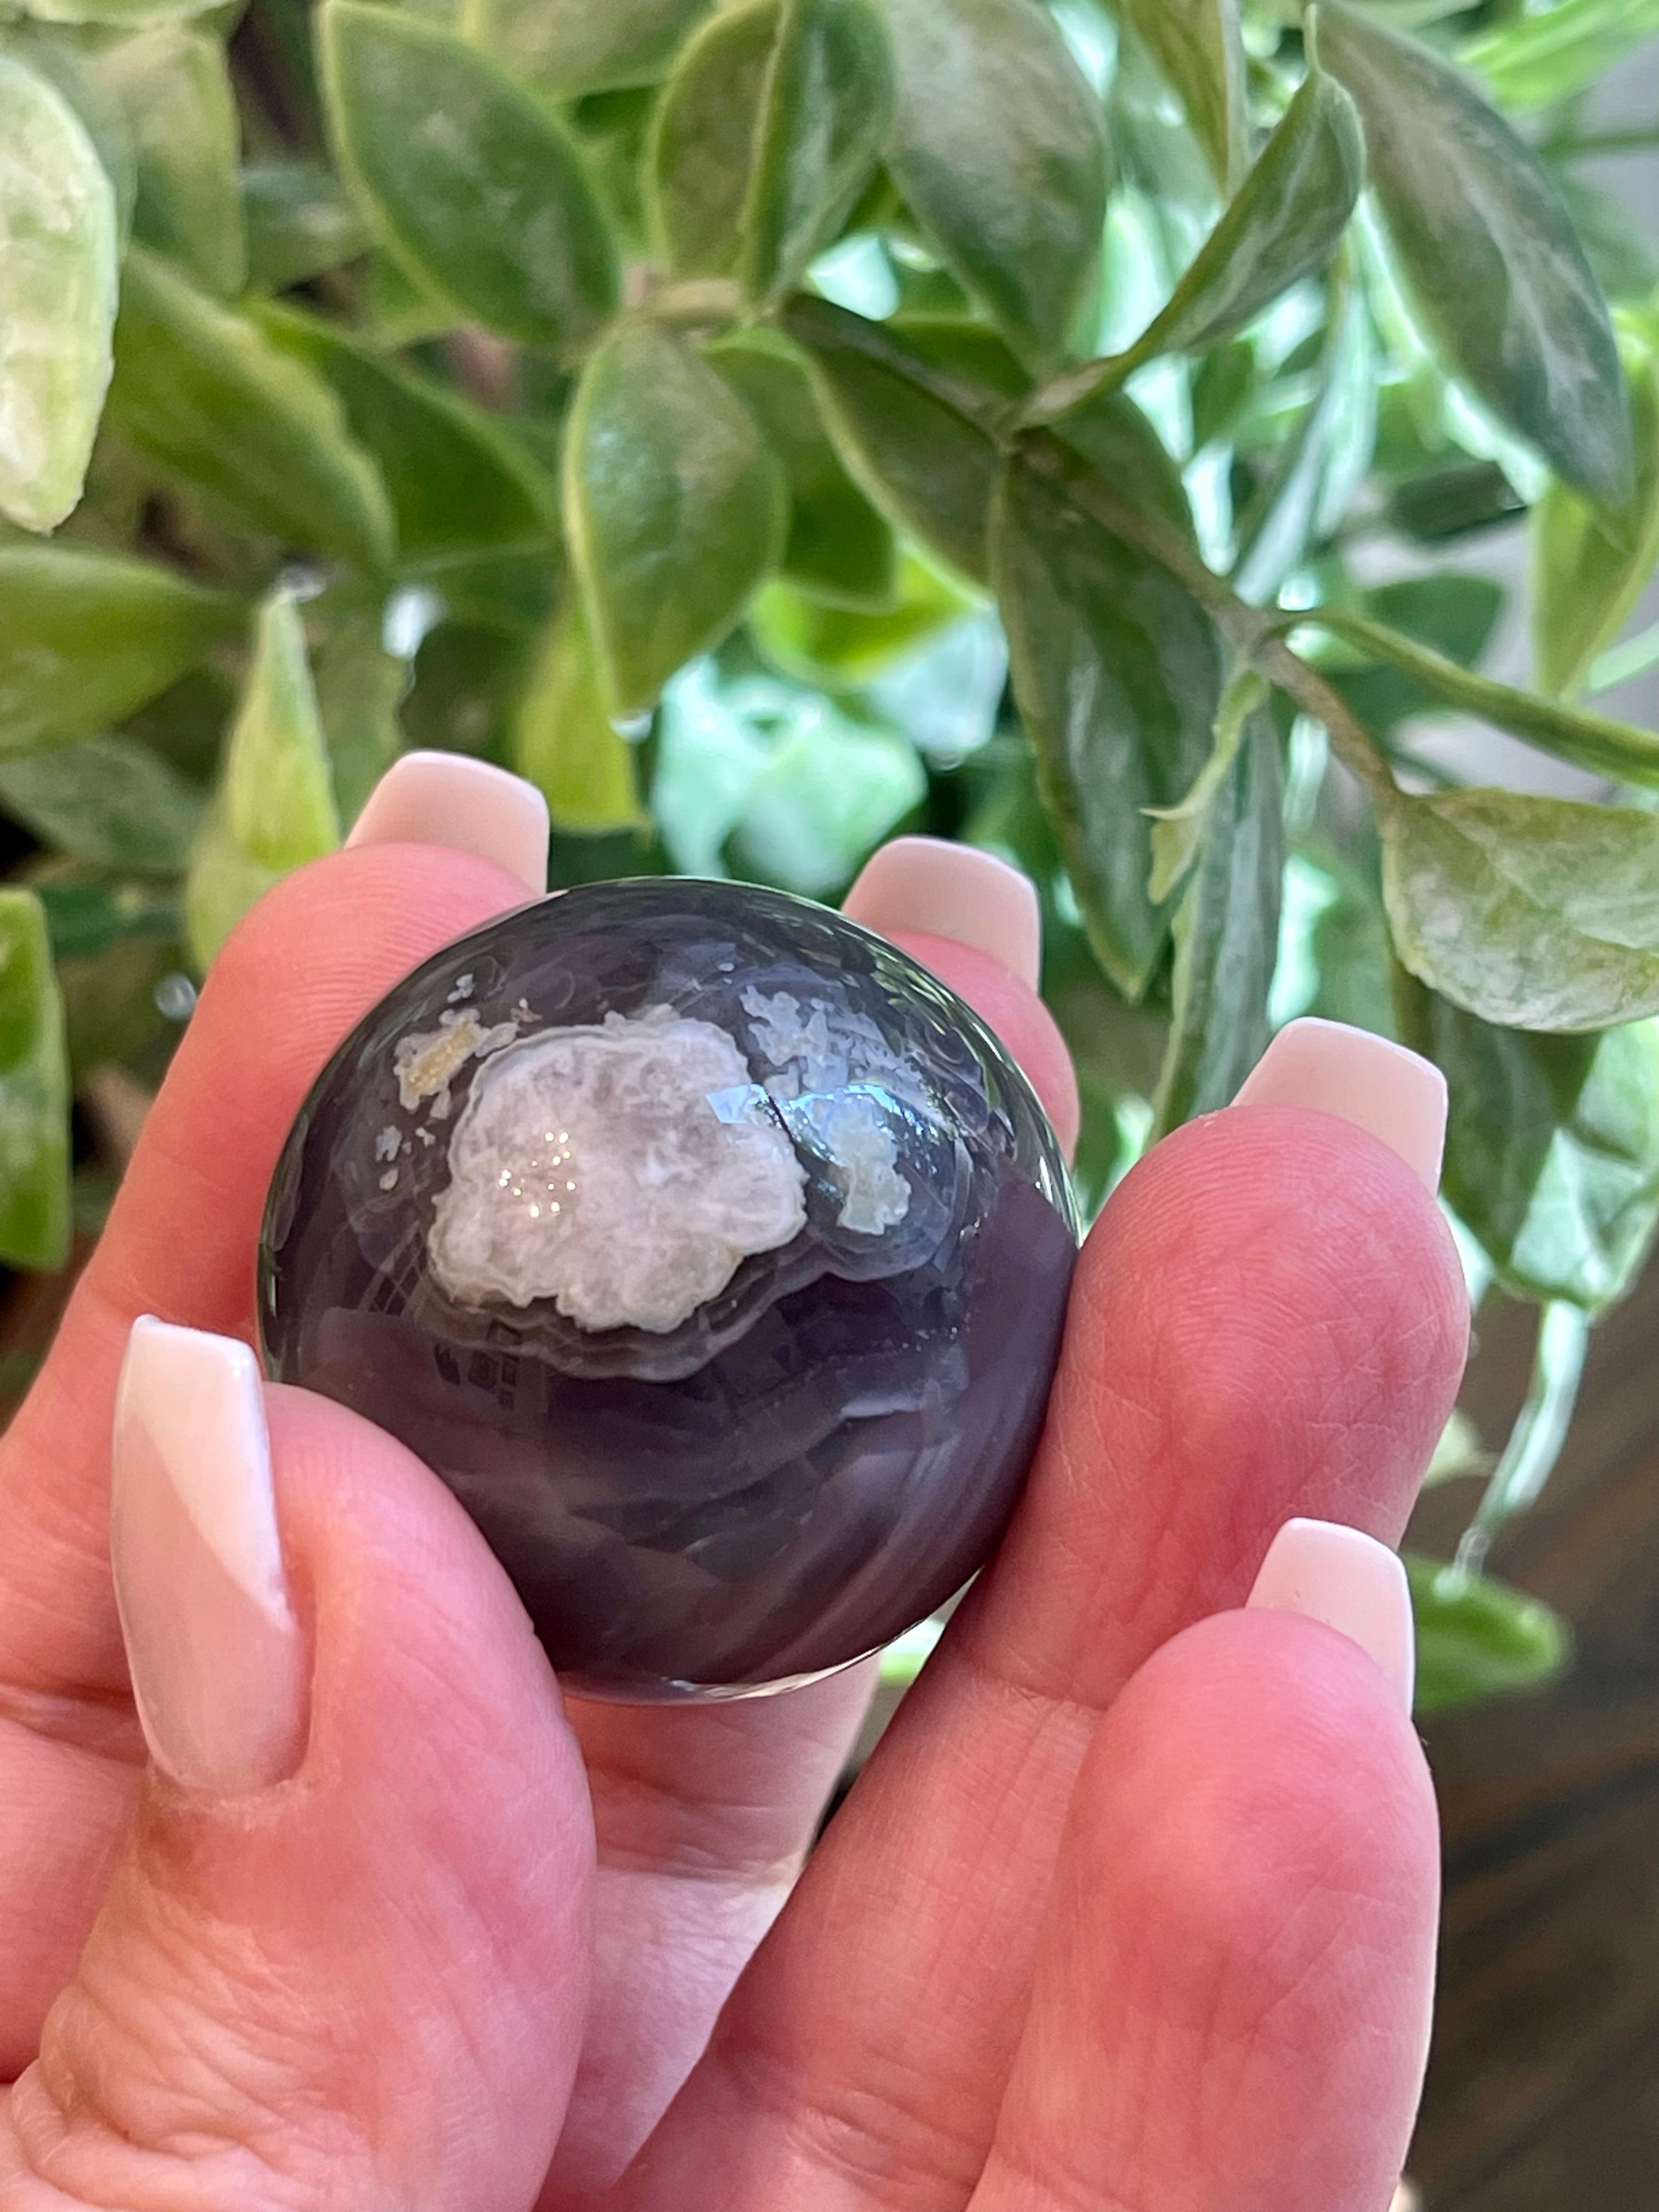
[1134, 1906]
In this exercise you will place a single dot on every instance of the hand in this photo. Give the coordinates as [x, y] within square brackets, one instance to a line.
[1134, 1906]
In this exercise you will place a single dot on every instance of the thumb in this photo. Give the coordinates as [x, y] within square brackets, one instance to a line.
[343, 1956]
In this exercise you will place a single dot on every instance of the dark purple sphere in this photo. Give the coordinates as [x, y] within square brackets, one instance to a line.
[712, 1251]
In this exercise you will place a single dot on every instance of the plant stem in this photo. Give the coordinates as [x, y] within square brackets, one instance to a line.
[698, 301]
[1256, 633]
[1582, 144]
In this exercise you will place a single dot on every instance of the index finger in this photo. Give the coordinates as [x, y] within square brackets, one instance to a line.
[305, 966]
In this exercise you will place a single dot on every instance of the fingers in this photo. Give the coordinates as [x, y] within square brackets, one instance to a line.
[1231, 2005]
[181, 1240]
[1268, 1320]
[342, 1958]
[306, 963]
[975, 921]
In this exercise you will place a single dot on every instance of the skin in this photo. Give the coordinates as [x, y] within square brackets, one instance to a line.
[1133, 1911]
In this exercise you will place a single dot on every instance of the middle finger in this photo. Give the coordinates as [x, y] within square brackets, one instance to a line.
[1269, 1320]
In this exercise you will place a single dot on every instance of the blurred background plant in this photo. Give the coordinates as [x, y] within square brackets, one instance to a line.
[771, 426]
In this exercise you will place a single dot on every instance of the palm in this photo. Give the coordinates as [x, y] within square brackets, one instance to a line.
[1269, 1323]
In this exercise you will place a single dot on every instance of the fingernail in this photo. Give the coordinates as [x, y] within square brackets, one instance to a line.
[215, 1654]
[1397, 1095]
[942, 890]
[1353, 1583]
[446, 799]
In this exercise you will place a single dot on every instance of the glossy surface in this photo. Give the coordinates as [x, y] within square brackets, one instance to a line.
[826, 1202]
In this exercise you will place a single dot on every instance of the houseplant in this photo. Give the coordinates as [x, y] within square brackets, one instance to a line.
[773, 424]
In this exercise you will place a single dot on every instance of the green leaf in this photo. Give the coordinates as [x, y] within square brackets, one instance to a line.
[87, 912]
[1324, 463]
[1197, 45]
[1478, 1638]
[57, 263]
[768, 779]
[1620, 662]
[299, 222]
[34, 1179]
[566, 47]
[1592, 741]
[456, 476]
[86, 639]
[827, 111]
[832, 792]
[224, 881]
[1000, 151]
[173, 87]
[1552, 1149]
[1625, 264]
[701, 154]
[205, 395]
[1112, 435]
[767, 133]
[1590, 565]
[1536, 913]
[360, 687]
[399, 310]
[1226, 936]
[107, 801]
[1497, 272]
[915, 434]
[58, 56]
[565, 743]
[117, 15]
[1535, 60]
[470, 180]
[838, 548]
[846, 648]
[1283, 224]
[1179, 831]
[675, 509]
[278, 800]
[612, 131]
[1117, 674]
[274, 808]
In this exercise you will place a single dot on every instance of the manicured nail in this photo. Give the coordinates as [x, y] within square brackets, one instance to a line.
[446, 799]
[1350, 1582]
[941, 890]
[216, 1656]
[1397, 1095]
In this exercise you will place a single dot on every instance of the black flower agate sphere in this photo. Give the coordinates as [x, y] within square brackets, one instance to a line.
[712, 1251]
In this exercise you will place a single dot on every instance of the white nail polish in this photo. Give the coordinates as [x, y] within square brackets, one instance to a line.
[1368, 1080]
[470, 805]
[1346, 1579]
[215, 1653]
[939, 889]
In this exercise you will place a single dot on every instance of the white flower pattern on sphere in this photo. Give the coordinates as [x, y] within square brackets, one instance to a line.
[590, 1167]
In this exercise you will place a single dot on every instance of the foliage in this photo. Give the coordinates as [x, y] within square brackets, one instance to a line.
[774, 423]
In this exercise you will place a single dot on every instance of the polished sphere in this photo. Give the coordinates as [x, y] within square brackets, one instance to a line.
[712, 1251]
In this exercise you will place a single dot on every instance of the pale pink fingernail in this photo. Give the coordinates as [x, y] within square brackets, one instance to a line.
[1353, 1583]
[1395, 1094]
[941, 890]
[447, 799]
[216, 1656]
